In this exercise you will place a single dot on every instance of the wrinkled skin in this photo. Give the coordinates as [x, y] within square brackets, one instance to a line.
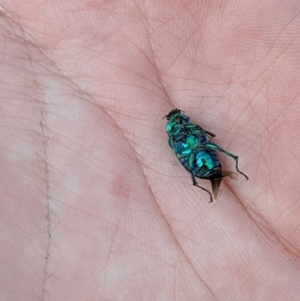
[94, 205]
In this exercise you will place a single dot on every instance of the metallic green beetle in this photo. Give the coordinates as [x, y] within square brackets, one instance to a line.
[192, 147]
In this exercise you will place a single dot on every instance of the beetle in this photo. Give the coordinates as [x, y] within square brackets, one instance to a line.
[192, 146]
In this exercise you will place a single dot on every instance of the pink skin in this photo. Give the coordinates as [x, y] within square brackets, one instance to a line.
[94, 205]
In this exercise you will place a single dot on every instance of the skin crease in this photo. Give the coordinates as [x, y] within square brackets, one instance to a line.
[94, 205]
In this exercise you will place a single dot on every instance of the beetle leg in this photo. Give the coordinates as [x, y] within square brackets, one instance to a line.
[199, 128]
[210, 134]
[206, 132]
[197, 185]
[213, 146]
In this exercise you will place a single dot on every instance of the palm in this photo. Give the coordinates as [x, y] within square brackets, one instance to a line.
[95, 205]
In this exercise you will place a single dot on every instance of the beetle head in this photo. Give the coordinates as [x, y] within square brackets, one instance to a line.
[177, 116]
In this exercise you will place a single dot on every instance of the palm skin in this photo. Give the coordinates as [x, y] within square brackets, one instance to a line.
[94, 205]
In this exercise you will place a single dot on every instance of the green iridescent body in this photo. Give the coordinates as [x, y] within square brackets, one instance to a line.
[191, 145]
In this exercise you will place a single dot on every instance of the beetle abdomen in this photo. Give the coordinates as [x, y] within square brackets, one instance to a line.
[206, 164]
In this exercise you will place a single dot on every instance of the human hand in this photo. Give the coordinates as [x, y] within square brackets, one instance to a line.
[94, 205]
